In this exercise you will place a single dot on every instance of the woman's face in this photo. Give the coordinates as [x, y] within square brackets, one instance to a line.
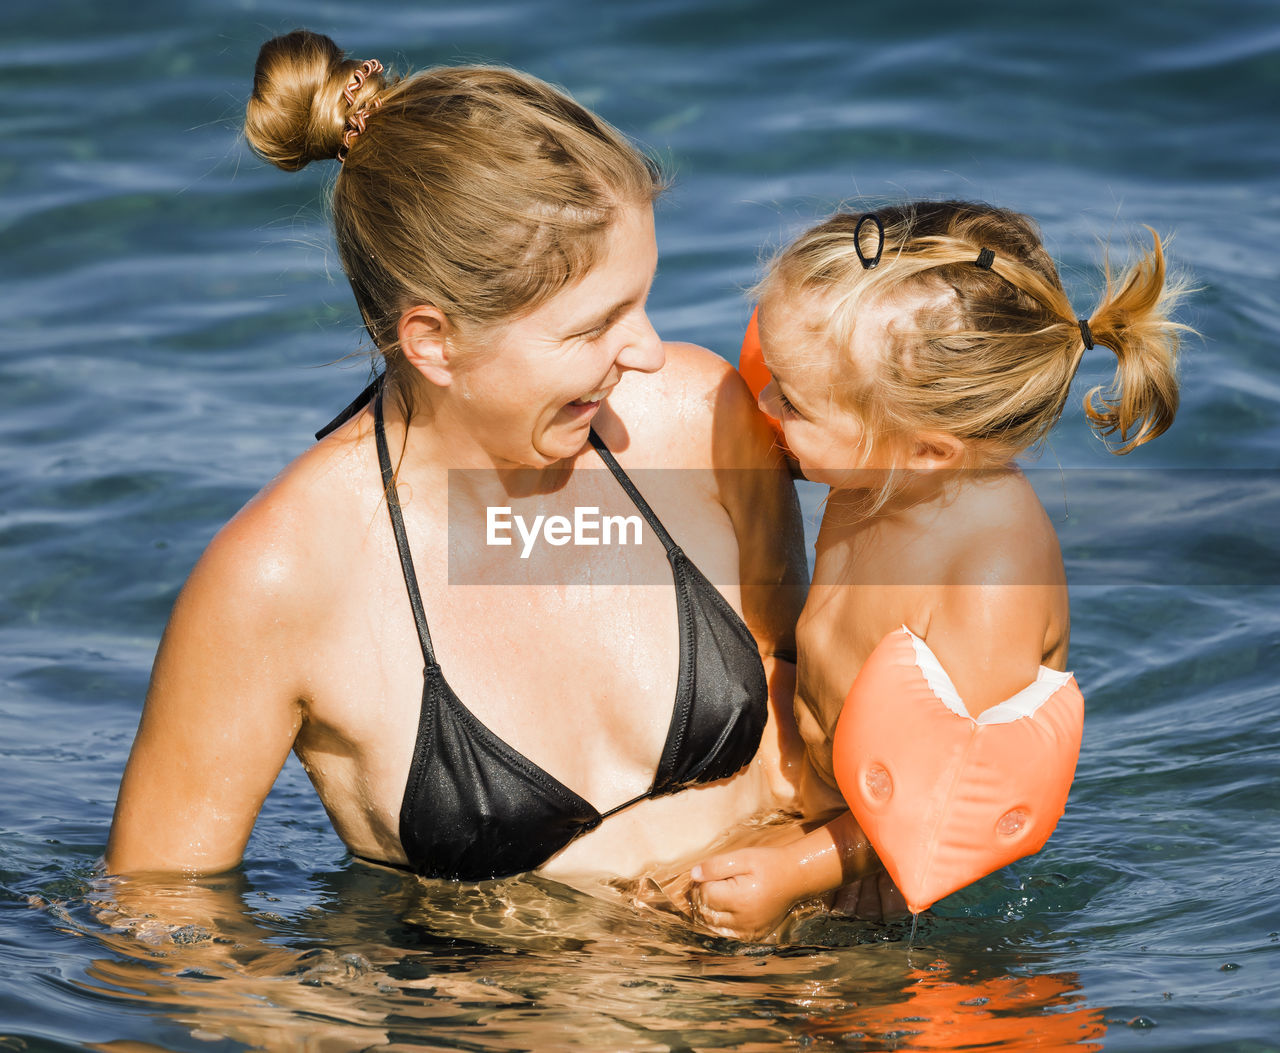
[529, 391]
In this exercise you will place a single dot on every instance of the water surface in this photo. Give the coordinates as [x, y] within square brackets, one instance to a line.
[176, 326]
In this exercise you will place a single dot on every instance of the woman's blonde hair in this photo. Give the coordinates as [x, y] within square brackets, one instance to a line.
[479, 190]
[992, 344]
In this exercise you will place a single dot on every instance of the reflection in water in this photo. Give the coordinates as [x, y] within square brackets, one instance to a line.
[376, 959]
[998, 1013]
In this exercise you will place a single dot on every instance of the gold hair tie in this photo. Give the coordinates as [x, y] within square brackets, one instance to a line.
[356, 120]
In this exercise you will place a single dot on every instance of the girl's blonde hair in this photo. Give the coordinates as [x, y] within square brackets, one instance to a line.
[992, 345]
[479, 190]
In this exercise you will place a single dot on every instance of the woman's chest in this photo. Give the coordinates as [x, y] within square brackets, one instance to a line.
[579, 677]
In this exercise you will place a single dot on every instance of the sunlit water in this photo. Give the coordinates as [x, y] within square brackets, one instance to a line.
[171, 311]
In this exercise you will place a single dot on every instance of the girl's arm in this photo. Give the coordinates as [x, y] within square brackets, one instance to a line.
[749, 892]
[990, 639]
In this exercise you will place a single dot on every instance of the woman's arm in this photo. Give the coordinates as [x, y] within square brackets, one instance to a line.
[222, 710]
[757, 491]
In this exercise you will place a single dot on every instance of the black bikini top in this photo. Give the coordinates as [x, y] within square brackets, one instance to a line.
[474, 808]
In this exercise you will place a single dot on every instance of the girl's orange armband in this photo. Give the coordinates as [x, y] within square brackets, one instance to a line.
[754, 371]
[946, 798]
[751, 359]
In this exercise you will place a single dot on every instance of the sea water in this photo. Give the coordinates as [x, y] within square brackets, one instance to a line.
[176, 326]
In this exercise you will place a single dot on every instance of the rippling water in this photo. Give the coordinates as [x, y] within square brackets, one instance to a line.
[176, 327]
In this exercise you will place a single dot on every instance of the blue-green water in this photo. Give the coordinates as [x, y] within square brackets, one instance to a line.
[175, 326]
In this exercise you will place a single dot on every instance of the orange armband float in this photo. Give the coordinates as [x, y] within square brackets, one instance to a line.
[754, 371]
[751, 358]
[946, 798]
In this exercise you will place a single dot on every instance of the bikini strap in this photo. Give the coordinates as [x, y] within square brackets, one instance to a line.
[637, 499]
[353, 407]
[627, 804]
[402, 539]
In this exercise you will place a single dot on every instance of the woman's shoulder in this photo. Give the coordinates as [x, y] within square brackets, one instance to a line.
[283, 551]
[697, 376]
[696, 411]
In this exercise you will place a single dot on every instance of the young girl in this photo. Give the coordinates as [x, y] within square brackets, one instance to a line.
[914, 353]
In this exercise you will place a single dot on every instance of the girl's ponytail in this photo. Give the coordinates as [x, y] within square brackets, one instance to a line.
[1133, 321]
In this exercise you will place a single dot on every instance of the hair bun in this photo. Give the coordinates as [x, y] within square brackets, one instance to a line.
[297, 113]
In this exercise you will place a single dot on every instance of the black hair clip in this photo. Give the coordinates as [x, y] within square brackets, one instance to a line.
[868, 263]
[1086, 333]
[985, 259]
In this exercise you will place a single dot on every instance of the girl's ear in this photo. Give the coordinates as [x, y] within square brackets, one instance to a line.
[935, 449]
[424, 333]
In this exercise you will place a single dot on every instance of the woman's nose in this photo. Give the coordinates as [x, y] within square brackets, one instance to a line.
[643, 350]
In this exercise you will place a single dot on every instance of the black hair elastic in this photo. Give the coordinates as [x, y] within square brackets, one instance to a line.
[1086, 333]
[985, 259]
[868, 217]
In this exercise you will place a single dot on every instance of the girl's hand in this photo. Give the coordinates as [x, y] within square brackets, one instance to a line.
[745, 894]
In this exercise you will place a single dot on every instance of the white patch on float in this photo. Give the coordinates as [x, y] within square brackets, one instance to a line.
[1023, 704]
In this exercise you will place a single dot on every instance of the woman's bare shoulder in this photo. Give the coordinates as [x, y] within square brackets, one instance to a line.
[695, 376]
[285, 549]
[694, 412]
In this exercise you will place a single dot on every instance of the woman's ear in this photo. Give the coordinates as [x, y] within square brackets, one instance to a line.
[424, 333]
[936, 449]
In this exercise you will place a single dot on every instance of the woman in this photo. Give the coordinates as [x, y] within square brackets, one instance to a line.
[499, 241]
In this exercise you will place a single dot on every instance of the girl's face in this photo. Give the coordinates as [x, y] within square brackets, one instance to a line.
[831, 442]
[528, 395]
